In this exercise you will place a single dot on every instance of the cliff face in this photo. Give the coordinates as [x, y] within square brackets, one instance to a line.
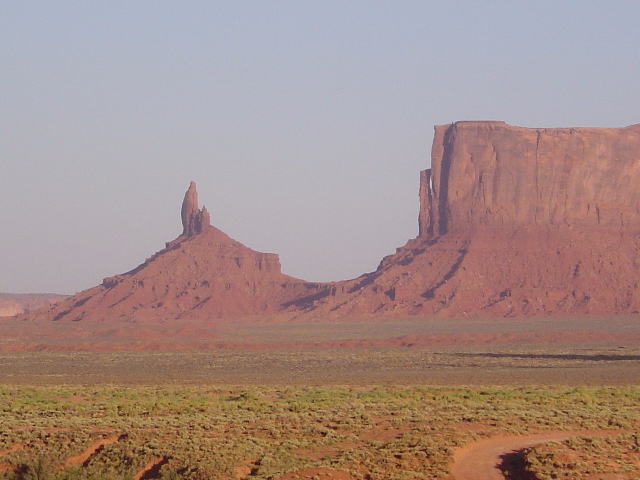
[492, 174]
[514, 221]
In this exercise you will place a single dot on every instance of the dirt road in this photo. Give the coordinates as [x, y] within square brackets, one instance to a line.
[481, 460]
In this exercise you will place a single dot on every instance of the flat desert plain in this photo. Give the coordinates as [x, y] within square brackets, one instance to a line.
[405, 399]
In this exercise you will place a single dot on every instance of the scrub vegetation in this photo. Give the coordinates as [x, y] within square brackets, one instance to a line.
[200, 432]
[583, 458]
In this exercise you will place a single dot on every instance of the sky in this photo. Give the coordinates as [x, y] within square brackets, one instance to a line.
[305, 124]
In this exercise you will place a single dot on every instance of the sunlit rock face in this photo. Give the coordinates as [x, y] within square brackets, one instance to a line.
[495, 175]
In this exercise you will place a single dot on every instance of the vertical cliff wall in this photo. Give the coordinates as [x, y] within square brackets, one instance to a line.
[493, 174]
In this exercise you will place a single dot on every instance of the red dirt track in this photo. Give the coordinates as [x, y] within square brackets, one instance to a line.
[481, 460]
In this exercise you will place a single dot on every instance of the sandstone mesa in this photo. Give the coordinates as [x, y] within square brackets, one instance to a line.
[513, 222]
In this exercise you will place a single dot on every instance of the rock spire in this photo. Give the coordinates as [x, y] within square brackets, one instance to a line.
[194, 220]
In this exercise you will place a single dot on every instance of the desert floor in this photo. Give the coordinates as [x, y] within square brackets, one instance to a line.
[362, 400]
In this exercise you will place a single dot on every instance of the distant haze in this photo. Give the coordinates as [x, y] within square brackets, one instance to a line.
[305, 124]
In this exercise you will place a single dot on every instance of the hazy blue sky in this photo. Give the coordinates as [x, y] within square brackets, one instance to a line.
[304, 123]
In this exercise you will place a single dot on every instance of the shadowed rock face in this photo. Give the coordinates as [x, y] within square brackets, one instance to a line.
[513, 222]
[425, 217]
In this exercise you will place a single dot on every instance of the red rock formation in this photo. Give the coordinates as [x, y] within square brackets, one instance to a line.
[202, 274]
[204, 220]
[194, 221]
[513, 221]
[493, 174]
